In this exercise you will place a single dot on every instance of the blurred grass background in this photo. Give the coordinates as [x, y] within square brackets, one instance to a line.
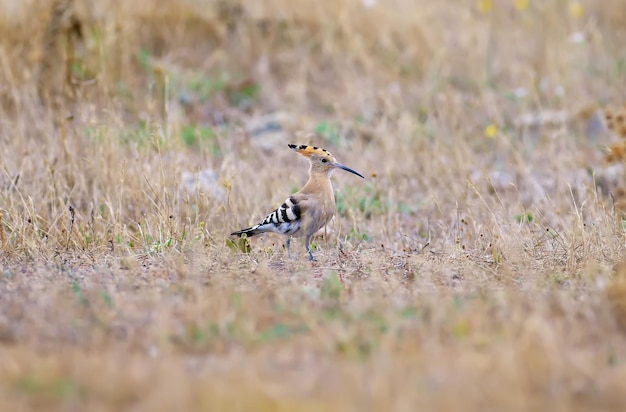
[479, 266]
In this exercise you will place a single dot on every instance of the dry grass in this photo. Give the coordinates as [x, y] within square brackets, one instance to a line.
[480, 266]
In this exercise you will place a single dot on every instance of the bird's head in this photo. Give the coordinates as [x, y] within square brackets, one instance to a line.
[321, 160]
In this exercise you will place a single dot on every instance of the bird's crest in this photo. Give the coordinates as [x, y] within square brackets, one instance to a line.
[307, 151]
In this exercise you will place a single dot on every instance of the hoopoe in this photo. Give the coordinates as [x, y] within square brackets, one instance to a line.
[308, 210]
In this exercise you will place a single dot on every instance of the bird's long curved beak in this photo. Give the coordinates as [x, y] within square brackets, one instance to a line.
[347, 169]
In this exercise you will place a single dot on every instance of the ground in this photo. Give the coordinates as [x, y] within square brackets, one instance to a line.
[479, 266]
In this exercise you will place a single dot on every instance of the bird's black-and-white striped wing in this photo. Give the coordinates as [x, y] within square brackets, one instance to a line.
[285, 219]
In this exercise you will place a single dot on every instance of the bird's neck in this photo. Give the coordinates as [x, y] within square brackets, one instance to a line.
[318, 183]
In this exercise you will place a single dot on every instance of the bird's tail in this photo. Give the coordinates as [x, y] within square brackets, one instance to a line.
[251, 231]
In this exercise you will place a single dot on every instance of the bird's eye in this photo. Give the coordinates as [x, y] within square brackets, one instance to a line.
[324, 160]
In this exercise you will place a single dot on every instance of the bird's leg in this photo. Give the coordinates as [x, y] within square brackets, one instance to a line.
[308, 248]
[288, 243]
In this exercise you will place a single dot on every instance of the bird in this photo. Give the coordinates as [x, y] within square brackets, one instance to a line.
[308, 210]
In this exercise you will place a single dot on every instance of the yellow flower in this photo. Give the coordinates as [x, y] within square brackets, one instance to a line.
[485, 6]
[491, 131]
[576, 10]
[522, 5]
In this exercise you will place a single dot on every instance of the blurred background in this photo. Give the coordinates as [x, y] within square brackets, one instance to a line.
[477, 264]
[508, 95]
